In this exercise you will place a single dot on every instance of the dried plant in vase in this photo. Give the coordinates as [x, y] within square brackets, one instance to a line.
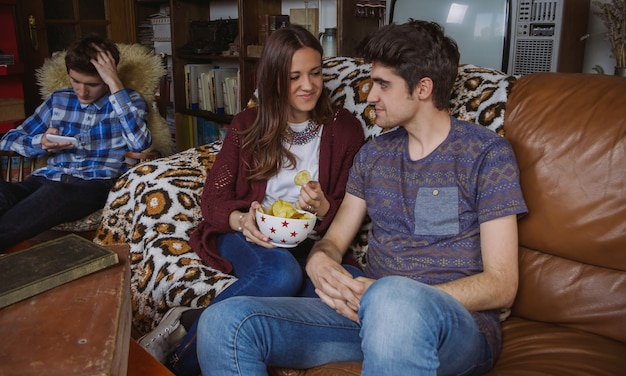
[613, 14]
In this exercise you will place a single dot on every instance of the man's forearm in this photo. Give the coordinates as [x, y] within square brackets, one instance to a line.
[328, 248]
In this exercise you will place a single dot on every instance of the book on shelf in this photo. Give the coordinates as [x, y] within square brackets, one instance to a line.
[42, 267]
[189, 132]
[218, 90]
[16, 168]
[206, 94]
[192, 72]
[231, 95]
[207, 131]
[219, 75]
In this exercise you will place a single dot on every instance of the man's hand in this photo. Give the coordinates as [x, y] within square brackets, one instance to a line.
[346, 296]
[335, 286]
[51, 146]
[105, 64]
[333, 283]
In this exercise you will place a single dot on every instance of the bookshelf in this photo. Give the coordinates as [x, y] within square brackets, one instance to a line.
[11, 69]
[350, 30]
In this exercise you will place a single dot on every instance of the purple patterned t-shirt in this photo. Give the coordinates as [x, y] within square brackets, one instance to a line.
[426, 213]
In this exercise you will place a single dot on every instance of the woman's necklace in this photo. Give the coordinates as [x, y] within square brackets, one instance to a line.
[304, 137]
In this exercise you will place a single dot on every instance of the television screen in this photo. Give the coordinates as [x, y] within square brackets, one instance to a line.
[479, 27]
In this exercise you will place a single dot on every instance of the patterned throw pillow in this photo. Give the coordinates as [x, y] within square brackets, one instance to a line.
[479, 95]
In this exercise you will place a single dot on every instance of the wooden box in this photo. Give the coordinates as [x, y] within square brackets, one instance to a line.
[79, 328]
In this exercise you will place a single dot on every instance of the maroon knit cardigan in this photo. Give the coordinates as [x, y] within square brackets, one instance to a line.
[226, 187]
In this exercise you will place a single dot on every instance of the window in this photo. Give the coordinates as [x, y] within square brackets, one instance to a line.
[68, 20]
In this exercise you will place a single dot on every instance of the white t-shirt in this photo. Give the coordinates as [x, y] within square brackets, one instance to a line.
[281, 186]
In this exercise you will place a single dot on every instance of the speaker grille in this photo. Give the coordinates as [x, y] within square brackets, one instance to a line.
[532, 56]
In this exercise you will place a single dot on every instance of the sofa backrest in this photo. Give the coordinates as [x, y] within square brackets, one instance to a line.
[569, 136]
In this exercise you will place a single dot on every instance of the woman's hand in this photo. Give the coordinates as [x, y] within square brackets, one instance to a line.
[249, 228]
[313, 199]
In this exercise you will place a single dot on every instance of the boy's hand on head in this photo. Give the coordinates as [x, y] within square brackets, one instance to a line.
[105, 64]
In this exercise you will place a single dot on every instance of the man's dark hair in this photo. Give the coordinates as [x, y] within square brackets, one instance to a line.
[80, 52]
[414, 50]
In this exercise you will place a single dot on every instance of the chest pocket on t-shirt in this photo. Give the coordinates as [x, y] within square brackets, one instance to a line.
[437, 211]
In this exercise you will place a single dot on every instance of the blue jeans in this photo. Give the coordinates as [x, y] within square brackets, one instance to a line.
[408, 328]
[260, 272]
[27, 208]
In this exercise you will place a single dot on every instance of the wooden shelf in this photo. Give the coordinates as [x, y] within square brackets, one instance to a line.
[350, 29]
[207, 58]
[220, 118]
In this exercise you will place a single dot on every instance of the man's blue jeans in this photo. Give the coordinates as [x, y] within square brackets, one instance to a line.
[407, 328]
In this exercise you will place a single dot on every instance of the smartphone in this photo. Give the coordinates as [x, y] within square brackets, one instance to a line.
[62, 139]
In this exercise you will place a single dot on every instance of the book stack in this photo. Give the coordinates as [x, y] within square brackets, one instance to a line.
[212, 88]
[201, 131]
[193, 72]
[207, 131]
[144, 34]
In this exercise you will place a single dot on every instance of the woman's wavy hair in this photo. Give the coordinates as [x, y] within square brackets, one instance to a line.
[414, 50]
[81, 51]
[264, 139]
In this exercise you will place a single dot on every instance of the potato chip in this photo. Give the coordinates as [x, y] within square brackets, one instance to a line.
[302, 177]
[284, 209]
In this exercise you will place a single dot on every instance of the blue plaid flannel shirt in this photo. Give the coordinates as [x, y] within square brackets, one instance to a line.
[105, 129]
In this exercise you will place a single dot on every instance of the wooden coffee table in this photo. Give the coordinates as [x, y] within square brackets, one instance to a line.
[79, 328]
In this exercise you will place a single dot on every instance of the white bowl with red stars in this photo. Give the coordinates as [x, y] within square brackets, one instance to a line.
[285, 232]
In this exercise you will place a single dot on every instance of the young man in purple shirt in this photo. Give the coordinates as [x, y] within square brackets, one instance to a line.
[105, 119]
[444, 198]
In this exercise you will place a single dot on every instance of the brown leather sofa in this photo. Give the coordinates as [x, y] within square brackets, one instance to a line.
[569, 317]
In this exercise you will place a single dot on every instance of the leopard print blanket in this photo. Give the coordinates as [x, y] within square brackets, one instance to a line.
[155, 206]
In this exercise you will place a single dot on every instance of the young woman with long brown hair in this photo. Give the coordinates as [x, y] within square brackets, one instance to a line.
[293, 127]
